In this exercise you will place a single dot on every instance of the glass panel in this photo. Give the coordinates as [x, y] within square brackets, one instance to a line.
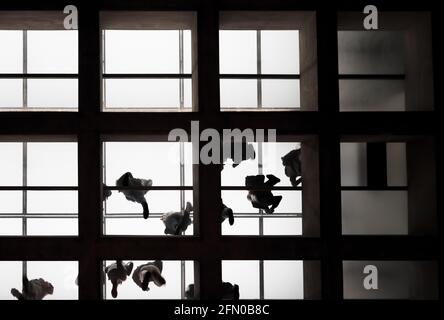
[282, 226]
[235, 93]
[280, 51]
[238, 51]
[396, 164]
[60, 275]
[10, 164]
[245, 274]
[280, 94]
[171, 272]
[390, 280]
[10, 227]
[52, 227]
[145, 51]
[54, 51]
[10, 202]
[52, 164]
[372, 95]
[158, 161]
[52, 93]
[376, 52]
[353, 164]
[12, 93]
[146, 93]
[11, 54]
[283, 280]
[52, 202]
[241, 226]
[374, 212]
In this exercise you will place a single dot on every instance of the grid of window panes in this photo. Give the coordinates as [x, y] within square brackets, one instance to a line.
[38, 188]
[147, 68]
[259, 69]
[167, 164]
[36, 63]
[287, 217]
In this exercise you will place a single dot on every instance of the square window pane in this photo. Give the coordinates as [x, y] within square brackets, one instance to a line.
[146, 93]
[283, 280]
[52, 51]
[11, 202]
[372, 95]
[11, 93]
[280, 51]
[52, 164]
[11, 164]
[235, 93]
[171, 272]
[52, 93]
[378, 52]
[281, 94]
[145, 51]
[238, 51]
[11, 54]
[245, 274]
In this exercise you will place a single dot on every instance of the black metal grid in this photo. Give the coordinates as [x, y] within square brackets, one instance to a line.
[209, 248]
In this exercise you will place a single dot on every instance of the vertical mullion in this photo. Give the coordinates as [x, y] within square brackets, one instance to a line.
[90, 152]
[261, 223]
[208, 273]
[25, 150]
[329, 155]
[259, 68]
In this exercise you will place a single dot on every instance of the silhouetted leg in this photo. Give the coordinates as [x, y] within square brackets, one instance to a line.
[276, 201]
[146, 212]
[114, 289]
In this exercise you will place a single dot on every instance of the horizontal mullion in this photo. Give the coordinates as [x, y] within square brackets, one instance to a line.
[39, 75]
[260, 76]
[389, 247]
[365, 188]
[372, 76]
[166, 188]
[236, 215]
[147, 76]
[39, 215]
[261, 188]
[38, 188]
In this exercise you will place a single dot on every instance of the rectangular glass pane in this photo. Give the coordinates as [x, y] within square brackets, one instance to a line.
[396, 164]
[374, 212]
[145, 51]
[283, 279]
[10, 202]
[52, 164]
[353, 164]
[245, 274]
[158, 161]
[171, 272]
[372, 95]
[10, 227]
[413, 280]
[11, 93]
[281, 94]
[11, 164]
[238, 51]
[52, 51]
[280, 51]
[376, 52]
[52, 227]
[235, 93]
[11, 54]
[282, 226]
[53, 93]
[52, 202]
[146, 93]
[241, 226]
[60, 275]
